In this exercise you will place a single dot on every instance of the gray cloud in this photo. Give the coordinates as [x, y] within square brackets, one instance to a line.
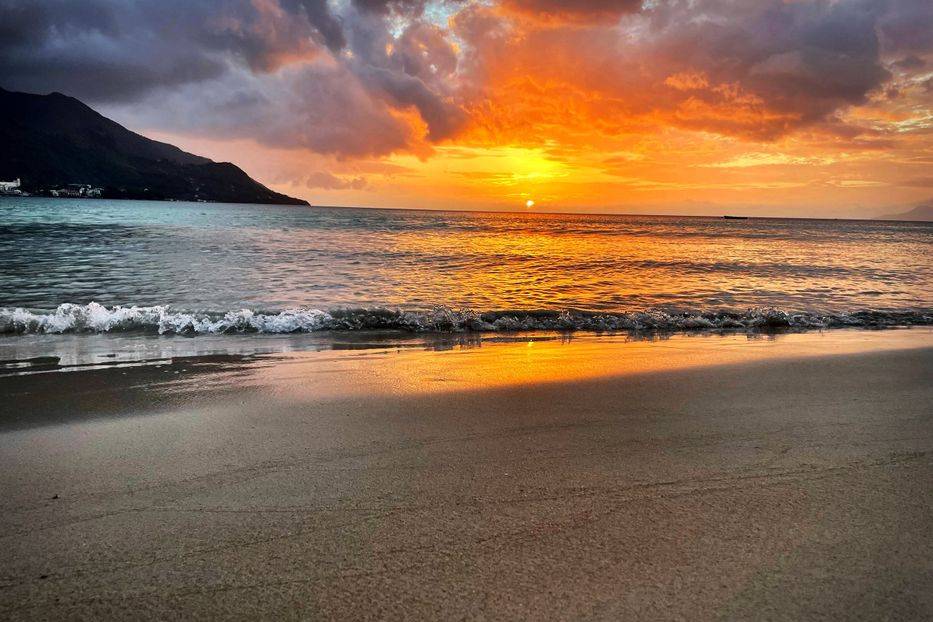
[286, 72]
[95, 50]
[106, 50]
[906, 26]
[793, 64]
[579, 10]
[327, 181]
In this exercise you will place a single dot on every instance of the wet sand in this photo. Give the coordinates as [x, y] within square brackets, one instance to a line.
[693, 478]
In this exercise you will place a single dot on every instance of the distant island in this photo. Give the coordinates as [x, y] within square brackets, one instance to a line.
[55, 145]
[922, 212]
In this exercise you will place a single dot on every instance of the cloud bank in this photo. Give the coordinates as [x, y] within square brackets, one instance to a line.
[357, 79]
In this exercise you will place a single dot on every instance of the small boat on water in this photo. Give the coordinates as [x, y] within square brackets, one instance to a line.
[735, 217]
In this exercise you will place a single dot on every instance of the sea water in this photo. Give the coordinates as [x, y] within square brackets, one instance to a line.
[94, 266]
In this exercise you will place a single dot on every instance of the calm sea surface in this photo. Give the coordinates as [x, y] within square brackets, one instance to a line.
[184, 262]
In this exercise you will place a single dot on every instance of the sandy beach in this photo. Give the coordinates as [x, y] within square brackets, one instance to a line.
[786, 477]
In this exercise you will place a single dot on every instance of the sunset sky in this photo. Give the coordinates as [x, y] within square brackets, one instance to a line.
[794, 107]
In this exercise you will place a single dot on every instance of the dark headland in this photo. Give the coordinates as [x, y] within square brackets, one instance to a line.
[920, 213]
[55, 141]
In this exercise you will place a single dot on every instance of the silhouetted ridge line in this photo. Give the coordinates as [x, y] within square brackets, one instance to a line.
[53, 140]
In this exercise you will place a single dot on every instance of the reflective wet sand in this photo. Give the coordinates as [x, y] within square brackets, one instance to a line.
[598, 478]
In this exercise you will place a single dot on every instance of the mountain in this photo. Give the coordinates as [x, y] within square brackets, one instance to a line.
[55, 140]
[922, 212]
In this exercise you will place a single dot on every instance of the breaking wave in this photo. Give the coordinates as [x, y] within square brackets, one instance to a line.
[162, 320]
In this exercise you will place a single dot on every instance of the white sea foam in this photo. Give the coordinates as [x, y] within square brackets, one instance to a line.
[96, 318]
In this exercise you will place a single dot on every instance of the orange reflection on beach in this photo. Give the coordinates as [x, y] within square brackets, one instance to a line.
[479, 364]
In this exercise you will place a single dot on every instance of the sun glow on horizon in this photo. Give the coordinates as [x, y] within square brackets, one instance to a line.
[582, 108]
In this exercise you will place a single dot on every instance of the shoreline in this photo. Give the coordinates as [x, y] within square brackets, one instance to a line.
[94, 318]
[48, 353]
[598, 478]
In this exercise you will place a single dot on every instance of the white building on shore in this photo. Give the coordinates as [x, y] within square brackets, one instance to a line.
[10, 187]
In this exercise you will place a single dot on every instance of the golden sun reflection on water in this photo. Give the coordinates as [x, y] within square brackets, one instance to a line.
[532, 260]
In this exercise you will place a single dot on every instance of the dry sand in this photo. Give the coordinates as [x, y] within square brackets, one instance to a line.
[693, 478]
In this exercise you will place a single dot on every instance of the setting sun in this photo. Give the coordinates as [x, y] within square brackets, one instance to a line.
[529, 204]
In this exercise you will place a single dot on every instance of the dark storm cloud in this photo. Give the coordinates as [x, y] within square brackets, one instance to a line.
[415, 68]
[105, 50]
[404, 8]
[81, 49]
[384, 7]
[230, 53]
[907, 26]
[910, 62]
[319, 16]
[826, 57]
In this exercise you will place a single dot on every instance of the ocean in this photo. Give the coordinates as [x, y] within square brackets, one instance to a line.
[93, 266]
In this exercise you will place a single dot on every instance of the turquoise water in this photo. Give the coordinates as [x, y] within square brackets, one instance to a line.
[185, 266]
